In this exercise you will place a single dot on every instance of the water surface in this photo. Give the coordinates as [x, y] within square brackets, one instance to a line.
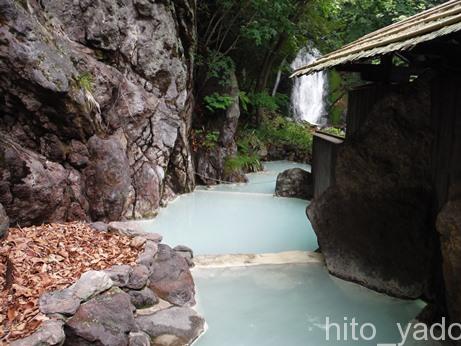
[237, 218]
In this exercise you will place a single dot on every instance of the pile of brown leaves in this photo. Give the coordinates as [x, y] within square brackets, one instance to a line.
[47, 258]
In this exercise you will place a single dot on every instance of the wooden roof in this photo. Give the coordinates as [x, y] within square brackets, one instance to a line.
[425, 26]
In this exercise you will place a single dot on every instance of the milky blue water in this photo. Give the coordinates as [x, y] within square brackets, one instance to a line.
[270, 305]
[237, 218]
[287, 305]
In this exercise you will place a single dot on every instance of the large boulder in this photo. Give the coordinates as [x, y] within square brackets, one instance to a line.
[96, 102]
[171, 279]
[4, 223]
[295, 182]
[106, 320]
[449, 228]
[373, 225]
[172, 326]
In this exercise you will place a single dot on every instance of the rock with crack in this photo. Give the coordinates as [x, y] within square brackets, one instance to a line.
[108, 138]
[172, 326]
[170, 277]
[50, 333]
[105, 320]
[295, 182]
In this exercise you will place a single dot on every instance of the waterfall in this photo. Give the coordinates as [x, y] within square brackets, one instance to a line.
[309, 92]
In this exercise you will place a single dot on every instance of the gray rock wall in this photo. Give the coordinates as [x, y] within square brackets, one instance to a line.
[96, 102]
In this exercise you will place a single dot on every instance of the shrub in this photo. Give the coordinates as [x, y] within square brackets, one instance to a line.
[85, 81]
[286, 132]
[335, 131]
[215, 102]
[207, 140]
[245, 162]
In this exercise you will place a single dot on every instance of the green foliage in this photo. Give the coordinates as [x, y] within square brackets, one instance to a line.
[216, 102]
[245, 101]
[245, 162]
[286, 132]
[218, 66]
[335, 131]
[206, 139]
[265, 101]
[85, 81]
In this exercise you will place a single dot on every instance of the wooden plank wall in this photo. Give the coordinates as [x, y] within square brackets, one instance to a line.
[446, 122]
[361, 101]
[324, 150]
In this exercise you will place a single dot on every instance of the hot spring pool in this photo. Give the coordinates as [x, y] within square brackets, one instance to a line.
[237, 218]
[269, 305]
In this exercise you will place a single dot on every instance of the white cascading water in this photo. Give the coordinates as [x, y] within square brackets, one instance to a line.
[309, 92]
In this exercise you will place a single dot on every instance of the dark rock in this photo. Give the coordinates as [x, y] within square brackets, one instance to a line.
[171, 279]
[373, 226]
[4, 223]
[59, 302]
[107, 319]
[142, 299]
[449, 228]
[147, 256]
[173, 326]
[295, 182]
[78, 155]
[120, 274]
[50, 333]
[138, 339]
[138, 277]
[84, 135]
[185, 252]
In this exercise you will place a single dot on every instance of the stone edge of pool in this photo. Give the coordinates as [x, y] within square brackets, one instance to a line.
[244, 260]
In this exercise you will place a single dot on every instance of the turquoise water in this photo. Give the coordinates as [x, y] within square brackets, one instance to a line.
[287, 306]
[240, 218]
[269, 305]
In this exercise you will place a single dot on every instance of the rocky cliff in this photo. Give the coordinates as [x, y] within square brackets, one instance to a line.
[96, 103]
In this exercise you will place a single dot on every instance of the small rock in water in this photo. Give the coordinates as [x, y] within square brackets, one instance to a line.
[91, 283]
[59, 302]
[50, 333]
[296, 183]
[144, 298]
